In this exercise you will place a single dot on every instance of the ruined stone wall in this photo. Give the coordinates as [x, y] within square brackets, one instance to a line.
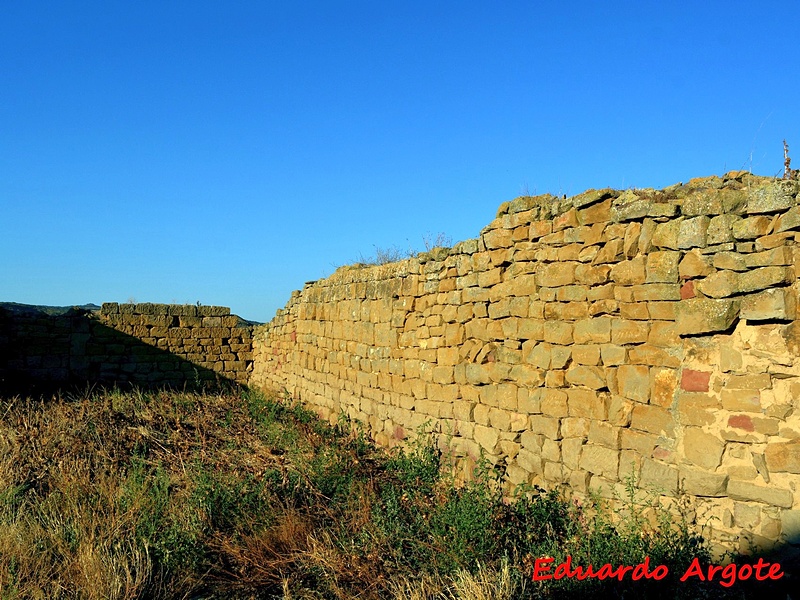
[147, 345]
[580, 340]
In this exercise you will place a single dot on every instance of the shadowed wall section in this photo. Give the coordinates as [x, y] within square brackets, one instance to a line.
[143, 345]
[579, 341]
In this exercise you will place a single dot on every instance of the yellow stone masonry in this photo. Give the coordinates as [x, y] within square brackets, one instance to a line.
[579, 341]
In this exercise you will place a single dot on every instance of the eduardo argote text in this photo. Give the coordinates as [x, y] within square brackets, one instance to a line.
[726, 575]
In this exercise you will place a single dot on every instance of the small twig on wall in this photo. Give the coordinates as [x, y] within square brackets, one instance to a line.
[787, 169]
[788, 172]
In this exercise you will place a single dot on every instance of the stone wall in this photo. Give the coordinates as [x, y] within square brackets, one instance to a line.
[579, 341]
[150, 345]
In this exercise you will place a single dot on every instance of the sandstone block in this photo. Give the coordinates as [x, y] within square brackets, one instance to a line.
[701, 448]
[751, 228]
[629, 272]
[557, 274]
[733, 261]
[666, 234]
[779, 303]
[789, 220]
[596, 213]
[752, 381]
[554, 403]
[652, 419]
[587, 403]
[744, 490]
[625, 331]
[600, 460]
[695, 381]
[790, 525]
[692, 232]
[765, 277]
[779, 256]
[721, 284]
[662, 267]
[720, 229]
[634, 382]
[703, 483]
[587, 376]
[549, 427]
[657, 476]
[604, 434]
[663, 385]
[771, 197]
[705, 315]
[783, 457]
[558, 332]
[643, 443]
[487, 437]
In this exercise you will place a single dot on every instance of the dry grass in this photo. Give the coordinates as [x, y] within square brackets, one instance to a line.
[171, 495]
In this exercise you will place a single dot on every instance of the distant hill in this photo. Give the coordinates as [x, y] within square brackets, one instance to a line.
[16, 307]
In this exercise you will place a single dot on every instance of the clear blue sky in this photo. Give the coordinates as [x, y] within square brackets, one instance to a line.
[226, 152]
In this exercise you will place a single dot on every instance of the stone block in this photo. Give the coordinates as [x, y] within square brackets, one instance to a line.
[751, 228]
[663, 385]
[765, 277]
[732, 261]
[776, 303]
[600, 460]
[741, 400]
[657, 476]
[586, 376]
[702, 483]
[662, 267]
[705, 315]
[789, 220]
[546, 426]
[701, 448]
[790, 526]
[629, 272]
[596, 213]
[692, 232]
[721, 284]
[783, 457]
[720, 229]
[587, 403]
[634, 382]
[558, 332]
[771, 197]
[653, 419]
[750, 492]
[624, 331]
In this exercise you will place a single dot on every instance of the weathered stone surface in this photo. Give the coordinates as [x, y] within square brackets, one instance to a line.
[765, 277]
[771, 197]
[750, 228]
[600, 460]
[744, 490]
[779, 303]
[693, 264]
[704, 315]
[702, 483]
[701, 448]
[587, 376]
[634, 382]
[721, 284]
[789, 220]
[783, 457]
[720, 229]
[692, 232]
[659, 477]
[629, 272]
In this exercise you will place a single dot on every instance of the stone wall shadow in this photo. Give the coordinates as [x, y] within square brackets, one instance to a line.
[43, 353]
